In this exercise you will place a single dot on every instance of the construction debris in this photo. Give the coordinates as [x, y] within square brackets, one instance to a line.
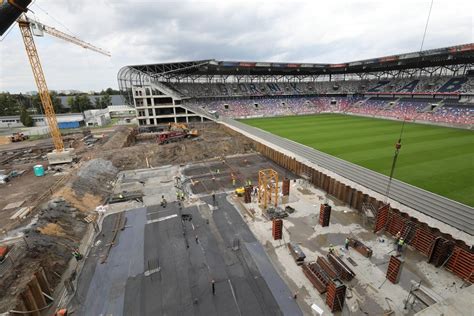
[360, 247]
[297, 253]
[344, 272]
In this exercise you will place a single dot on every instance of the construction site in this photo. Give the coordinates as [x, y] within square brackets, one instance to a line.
[195, 213]
[217, 212]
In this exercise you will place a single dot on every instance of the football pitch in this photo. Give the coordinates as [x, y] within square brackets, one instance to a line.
[437, 159]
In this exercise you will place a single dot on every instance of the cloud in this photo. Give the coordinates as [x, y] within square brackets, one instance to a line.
[138, 32]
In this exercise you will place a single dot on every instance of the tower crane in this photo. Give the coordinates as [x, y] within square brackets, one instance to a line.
[28, 28]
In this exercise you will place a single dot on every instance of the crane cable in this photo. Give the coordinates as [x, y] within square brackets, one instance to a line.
[398, 145]
[426, 26]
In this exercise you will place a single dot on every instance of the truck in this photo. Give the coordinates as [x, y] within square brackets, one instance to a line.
[174, 135]
[3, 252]
[171, 136]
[18, 137]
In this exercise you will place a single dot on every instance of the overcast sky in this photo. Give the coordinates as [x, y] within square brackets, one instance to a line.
[139, 32]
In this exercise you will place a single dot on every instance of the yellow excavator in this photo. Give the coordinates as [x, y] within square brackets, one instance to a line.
[182, 127]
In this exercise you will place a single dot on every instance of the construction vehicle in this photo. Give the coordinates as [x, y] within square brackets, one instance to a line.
[16, 10]
[182, 127]
[176, 132]
[171, 136]
[3, 252]
[18, 137]
[240, 191]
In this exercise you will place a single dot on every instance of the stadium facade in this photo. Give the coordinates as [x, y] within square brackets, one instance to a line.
[433, 85]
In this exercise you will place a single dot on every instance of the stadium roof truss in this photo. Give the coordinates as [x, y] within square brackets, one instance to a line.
[448, 61]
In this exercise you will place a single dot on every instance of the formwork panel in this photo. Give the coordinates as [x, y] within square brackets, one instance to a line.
[461, 263]
[336, 293]
[423, 240]
[396, 223]
[394, 269]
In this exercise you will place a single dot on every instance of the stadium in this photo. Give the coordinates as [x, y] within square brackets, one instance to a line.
[254, 182]
[322, 105]
[390, 137]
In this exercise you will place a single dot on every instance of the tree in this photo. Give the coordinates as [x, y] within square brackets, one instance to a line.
[8, 104]
[55, 100]
[97, 102]
[25, 117]
[80, 103]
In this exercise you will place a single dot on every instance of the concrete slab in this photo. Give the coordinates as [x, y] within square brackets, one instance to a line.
[367, 294]
[163, 265]
[459, 304]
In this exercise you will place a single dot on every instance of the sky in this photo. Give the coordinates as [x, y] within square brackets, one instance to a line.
[141, 32]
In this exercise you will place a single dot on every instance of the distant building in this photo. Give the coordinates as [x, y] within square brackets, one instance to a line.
[115, 99]
[97, 117]
[69, 120]
[121, 111]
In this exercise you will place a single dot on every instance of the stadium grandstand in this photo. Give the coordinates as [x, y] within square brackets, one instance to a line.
[434, 86]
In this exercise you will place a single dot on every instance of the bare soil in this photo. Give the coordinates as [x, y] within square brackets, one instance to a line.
[83, 186]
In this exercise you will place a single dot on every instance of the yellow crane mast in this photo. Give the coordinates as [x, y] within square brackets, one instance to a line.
[15, 10]
[40, 80]
[59, 155]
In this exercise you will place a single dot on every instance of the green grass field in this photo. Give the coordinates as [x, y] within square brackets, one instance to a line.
[437, 159]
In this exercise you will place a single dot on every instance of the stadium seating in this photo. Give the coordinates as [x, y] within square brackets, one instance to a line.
[402, 98]
[400, 86]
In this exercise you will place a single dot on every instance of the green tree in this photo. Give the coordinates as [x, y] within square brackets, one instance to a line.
[103, 101]
[70, 102]
[8, 104]
[25, 117]
[111, 91]
[81, 103]
[55, 100]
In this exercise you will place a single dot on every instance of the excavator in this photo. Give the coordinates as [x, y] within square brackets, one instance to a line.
[15, 10]
[182, 127]
[18, 137]
[176, 132]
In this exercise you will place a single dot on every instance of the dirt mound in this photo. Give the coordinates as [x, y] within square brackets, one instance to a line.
[214, 141]
[123, 136]
[84, 202]
[52, 229]
[90, 186]
[48, 243]
[95, 176]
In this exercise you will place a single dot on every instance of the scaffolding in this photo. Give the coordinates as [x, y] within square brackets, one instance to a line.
[267, 188]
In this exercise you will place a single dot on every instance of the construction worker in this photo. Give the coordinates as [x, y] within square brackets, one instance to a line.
[177, 195]
[400, 244]
[213, 286]
[77, 254]
[233, 182]
[346, 243]
[397, 237]
[182, 196]
[197, 239]
[331, 248]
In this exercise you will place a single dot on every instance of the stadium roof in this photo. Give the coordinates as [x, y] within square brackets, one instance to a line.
[454, 55]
